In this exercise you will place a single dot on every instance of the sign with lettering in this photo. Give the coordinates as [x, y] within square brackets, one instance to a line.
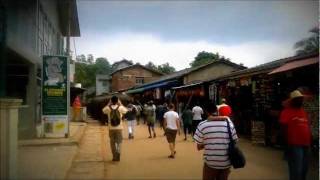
[55, 95]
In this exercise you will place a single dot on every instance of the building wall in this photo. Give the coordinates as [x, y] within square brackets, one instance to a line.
[127, 78]
[102, 85]
[32, 31]
[209, 72]
[33, 28]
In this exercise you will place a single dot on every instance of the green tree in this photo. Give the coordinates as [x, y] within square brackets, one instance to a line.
[204, 57]
[310, 44]
[151, 65]
[81, 58]
[166, 68]
[90, 58]
[103, 66]
[81, 74]
[86, 73]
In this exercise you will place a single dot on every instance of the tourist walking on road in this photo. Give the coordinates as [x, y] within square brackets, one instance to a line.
[151, 118]
[130, 116]
[224, 109]
[187, 121]
[172, 126]
[212, 136]
[197, 117]
[298, 134]
[139, 112]
[161, 110]
[115, 110]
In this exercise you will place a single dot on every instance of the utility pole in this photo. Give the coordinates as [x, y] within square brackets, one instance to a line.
[68, 66]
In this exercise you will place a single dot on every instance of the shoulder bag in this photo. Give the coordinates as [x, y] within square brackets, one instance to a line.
[236, 156]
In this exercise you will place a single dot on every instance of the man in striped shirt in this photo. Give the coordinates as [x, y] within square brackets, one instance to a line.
[212, 136]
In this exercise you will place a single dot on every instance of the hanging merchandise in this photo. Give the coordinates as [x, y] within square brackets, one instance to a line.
[201, 91]
[253, 90]
[245, 81]
[213, 92]
[231, 83]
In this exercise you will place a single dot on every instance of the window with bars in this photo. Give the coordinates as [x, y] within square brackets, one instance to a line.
[49, 41]
[139, 80]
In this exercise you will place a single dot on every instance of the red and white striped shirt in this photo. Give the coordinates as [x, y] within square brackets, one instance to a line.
[213, 134]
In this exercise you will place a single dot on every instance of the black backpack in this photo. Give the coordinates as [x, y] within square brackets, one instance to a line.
[114, 116]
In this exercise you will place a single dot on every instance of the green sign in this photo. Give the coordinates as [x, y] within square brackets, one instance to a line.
[54, 85]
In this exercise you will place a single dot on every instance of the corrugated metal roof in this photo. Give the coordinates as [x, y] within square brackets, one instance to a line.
[295, 64]
[183, 72]
[137, 65]
[263, 68]
[188, 85]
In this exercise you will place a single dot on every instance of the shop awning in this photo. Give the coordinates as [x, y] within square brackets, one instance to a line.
[188, 85]
[153, 86]
[295, 64]
[158, 85]
[135, 90]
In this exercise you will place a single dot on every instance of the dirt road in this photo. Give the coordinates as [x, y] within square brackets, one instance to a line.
[144, 158]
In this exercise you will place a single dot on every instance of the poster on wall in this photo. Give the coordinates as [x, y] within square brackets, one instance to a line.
[55, 96]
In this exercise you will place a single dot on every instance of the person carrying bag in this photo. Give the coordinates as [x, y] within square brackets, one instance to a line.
[236, 156]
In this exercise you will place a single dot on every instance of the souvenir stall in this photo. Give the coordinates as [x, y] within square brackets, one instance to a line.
[300, 75]
[190, 95]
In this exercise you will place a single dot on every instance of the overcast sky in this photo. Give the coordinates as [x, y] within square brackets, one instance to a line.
[248, 32]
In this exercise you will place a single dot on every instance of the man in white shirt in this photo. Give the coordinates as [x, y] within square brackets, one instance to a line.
[197, 117]
[172, 126]
[115, 110]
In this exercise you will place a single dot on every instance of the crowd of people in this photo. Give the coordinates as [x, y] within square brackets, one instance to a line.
[211, 129]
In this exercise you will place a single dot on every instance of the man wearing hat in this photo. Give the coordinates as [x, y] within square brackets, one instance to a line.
[298, 134]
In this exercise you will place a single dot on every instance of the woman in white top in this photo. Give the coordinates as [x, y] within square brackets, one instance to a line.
[172, 126]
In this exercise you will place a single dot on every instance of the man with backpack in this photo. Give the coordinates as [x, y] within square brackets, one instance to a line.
[115, 110]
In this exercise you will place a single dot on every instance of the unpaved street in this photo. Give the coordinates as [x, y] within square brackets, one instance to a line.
[144, 158]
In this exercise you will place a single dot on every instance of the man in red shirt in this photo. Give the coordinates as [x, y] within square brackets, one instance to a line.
[295, 120]
[224, 109]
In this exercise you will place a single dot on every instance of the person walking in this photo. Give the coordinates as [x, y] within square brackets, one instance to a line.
[139, 112]
[212, 137]
[197, 117]
[115, 110]
[298, 135]
[172, 126]
[130, 116]
[224, 109]
[151, 118]
[187, 121]
[159, 115]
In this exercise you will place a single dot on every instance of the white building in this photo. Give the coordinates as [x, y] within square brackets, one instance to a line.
[102, 84]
